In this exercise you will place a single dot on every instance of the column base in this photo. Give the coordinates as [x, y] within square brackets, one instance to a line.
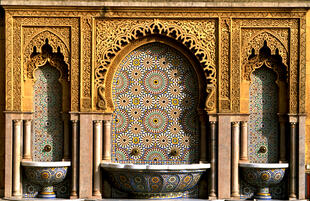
[47, 192]
[262, 194]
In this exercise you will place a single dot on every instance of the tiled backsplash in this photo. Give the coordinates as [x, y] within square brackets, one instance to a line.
[155, 92]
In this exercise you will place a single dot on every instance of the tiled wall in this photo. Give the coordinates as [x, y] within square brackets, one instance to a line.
[47, 121]
[263, 127]
[47, 126]
[155, 92]
[263, 123]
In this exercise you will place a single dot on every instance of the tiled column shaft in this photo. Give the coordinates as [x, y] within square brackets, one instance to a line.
[203, 138]
[74, 162]
[292, 166]
[66, 153]
[97, 158]
[282, 142]
[244, 142]
[107, 141]
[212, 193]
[235, 160]
[27, 140]
[16, 159]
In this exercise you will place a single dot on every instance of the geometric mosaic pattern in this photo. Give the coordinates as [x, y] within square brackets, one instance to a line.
[263, 121]
[155, 92]
[263, 127]
[47, 119]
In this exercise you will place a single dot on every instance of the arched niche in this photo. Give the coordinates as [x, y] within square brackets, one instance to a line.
[257, 90]
[257, 59]
[38, 58]
[120, 139]
[109, 73]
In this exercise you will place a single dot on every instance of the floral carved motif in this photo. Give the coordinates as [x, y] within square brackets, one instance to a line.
[283, 38]
[113, 34]
[56, 59]
[40, 41]
[224, 71]
[25, 33]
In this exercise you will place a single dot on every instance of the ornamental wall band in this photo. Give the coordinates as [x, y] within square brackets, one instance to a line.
[220, 41]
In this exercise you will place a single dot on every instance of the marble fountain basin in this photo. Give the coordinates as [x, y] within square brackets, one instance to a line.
[46, 174]
[262, 176]
[154, 181]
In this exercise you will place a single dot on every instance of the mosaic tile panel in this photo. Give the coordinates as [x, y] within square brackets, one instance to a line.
[47, 120]
[263, 121]
[155, 92]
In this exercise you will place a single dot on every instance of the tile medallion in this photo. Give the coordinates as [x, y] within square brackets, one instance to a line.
[155, 92]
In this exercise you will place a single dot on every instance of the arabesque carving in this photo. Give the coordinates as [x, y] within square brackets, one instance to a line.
[37, 59]
[24, 33]
[282, 37]
[38, 42]
[113, 34]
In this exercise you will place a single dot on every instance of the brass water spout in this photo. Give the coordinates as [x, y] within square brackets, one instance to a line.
[262, 149]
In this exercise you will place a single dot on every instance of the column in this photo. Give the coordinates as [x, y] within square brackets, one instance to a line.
[74, 163]
[97, 158]
[16, 159]
[282, 142]
[212, 192]
[235, 161]
[203, 138]
[27, 140]
[292, 166]
[66, 153]
[244, 142]
[107, 141]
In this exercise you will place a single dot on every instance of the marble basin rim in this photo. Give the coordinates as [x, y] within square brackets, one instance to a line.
[46, 174]
[262, 176]
[154, 181]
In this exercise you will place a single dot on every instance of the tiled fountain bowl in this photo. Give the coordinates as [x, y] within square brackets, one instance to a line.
[262, 176]
[46, 174]
[154, 181]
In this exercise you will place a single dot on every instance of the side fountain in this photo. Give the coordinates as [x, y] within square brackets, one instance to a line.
[48, 162]
[265, 165]
[262, 176]
[46, 174]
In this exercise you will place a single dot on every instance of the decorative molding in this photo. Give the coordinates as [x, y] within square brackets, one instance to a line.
[283, 37]
[29, 32]
[113, 34]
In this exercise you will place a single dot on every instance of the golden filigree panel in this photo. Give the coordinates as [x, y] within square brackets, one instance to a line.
[281, 35]
[23, 33]
[113, 34]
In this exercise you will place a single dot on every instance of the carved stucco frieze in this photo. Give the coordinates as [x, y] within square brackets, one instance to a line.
[86, 71]
[224, 70]
[26, 32]
[282, 35]
[113, 34]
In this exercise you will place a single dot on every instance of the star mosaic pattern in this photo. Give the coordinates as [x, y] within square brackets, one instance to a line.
[155, 92]
[47, 120]
[263, 122]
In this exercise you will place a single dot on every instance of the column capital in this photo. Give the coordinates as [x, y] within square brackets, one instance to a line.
[107, 122]
[74, 121]
[235, 123]
[97, 122]
[293, 124]
[212, 122]
[17, 121]
[27, 122]
[244, 123]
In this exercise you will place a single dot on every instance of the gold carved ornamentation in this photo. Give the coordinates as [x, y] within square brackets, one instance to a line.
[86, 72]
[56, 59]
[282, 35]
[27, 33]
[113, 34]
[224, 70]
